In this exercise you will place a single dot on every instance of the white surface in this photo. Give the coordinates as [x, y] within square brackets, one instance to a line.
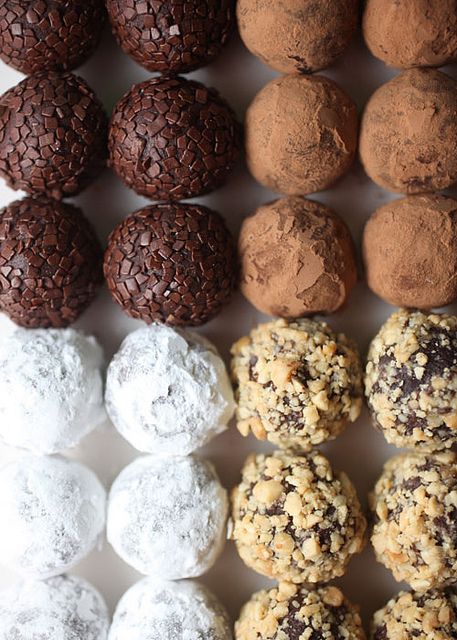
[360, 451]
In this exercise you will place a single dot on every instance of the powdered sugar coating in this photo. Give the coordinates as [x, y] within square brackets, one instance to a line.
[62, 608]
[168, 391]
[156, 610]
[167, 518]
[51, 389]
[55, 510]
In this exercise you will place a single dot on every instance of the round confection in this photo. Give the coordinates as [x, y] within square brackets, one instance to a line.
[50, 262]
[411, 380]
[297, 36]
[426, 616]
[171, 263]
[295, 519]
[52, 135]
[156, 610]
[411, 33]
[51, 389]
[168, 520]
[172, 36]
[55, 510]
[291, 612]
[172, 139]
[301, 134]
[167, 391]
[408, 133]
[423, 278]
[63, 608]
[297, 258]
[297, 383]
[50, 35]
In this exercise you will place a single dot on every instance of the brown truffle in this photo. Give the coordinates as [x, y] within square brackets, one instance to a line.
[408, 136]
[297, 36]
[297, 259]
[411, 33]
[50, 262]
[301, 134]
[410, 251]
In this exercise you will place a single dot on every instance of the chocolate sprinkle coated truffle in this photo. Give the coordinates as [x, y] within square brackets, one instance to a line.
[172, 139]
[171, 263]
[174, 36]
[52, 135]
[56, 35]
[411, 380]
[50, 262]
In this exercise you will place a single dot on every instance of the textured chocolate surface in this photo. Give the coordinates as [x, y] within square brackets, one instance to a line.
[172, 139]
[171, 36]
[171, 263]
[50, 262]
[49, 34]
[52, 135]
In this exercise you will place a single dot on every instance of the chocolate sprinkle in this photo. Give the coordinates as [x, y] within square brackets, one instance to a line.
[52, 135]
[57, 35]
[172, 139]
[171, 263]
[50, 262]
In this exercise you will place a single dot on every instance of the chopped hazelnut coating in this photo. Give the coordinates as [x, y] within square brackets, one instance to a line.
[411, 380]
[298, 383]
[291, 612]
[295, 519]
[414, 506]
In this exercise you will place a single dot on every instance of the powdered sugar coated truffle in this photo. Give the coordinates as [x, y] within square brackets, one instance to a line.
[168, 391]
[168, 518]
[51, 389]
[156, 610]
[55, 510]
[61, 608]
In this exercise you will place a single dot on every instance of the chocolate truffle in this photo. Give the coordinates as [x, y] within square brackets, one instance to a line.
[295, 519]
[297, 259]
[53, 35]
[414, 507]
[301, 134]
[297, 36]
[408, 135]
[171, 263]
[425, 277]
[411, 33]
[291, 612]
[50, 262]
[172, 139]
[172, 36]
[297, 383]
[411, 380]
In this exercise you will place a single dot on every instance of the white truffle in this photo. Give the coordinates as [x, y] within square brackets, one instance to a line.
[168, 391]
[167, 518]
[61, 608]
[155, 610]
[51, 389]
[53, 513]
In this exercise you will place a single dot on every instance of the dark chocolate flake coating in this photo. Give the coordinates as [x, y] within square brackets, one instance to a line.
[171, 263]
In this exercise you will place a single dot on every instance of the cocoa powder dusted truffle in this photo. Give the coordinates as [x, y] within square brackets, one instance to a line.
[171, 36]
[301, 134]
[408, 135]
[171, 263]
[172, 139]
[297, 36]
[52, 135]
[423, 278]
[297, 258]
[56, 35]
[50, 262]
